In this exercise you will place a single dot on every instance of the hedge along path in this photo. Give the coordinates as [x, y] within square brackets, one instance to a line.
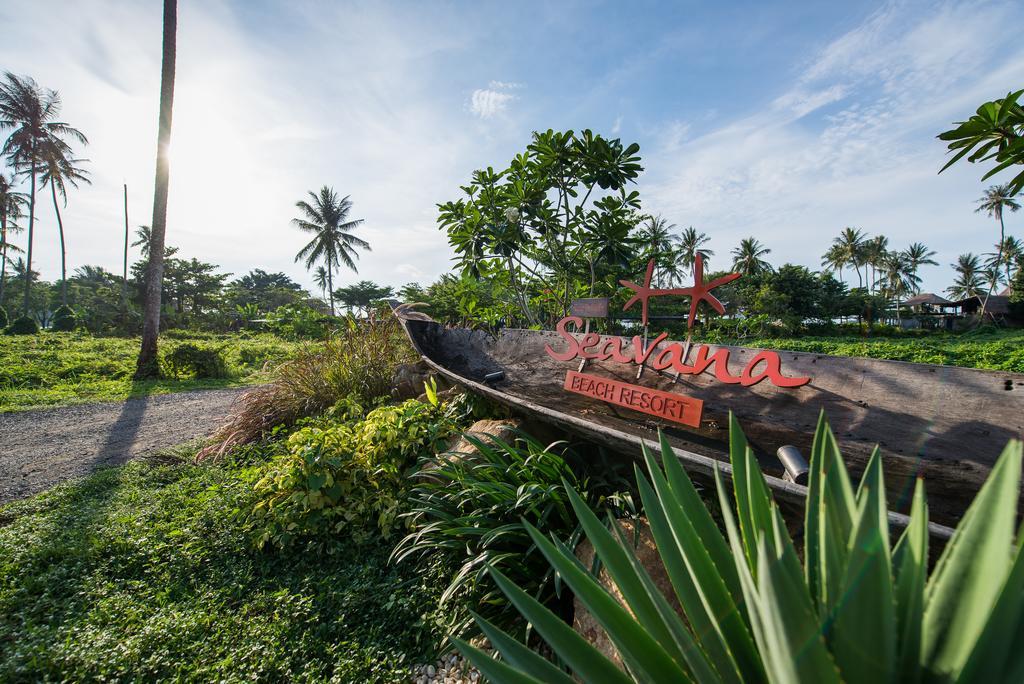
[45, 447]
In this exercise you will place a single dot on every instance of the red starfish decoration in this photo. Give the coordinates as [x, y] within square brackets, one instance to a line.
[700, 291]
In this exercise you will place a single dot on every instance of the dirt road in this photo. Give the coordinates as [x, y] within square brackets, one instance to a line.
[41, 448]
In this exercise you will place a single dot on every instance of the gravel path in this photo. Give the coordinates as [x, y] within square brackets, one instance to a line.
[44, 447]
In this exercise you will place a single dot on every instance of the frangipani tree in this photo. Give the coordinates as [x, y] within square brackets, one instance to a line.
[556, 217]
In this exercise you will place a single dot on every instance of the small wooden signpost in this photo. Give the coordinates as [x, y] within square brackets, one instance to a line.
[591, 307]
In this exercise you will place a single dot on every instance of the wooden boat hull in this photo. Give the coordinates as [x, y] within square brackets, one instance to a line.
[943, 423]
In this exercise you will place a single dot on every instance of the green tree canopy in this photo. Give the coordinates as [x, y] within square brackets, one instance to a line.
[558, 222]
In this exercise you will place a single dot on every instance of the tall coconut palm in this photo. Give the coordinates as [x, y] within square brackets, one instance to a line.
[850, 244]
[11, 205]
[59, 172]
[746, 258]
[690, 244]
[968, 281]
[1006, 256]
[143, 236]
[994, 202]
[333, 244]
[322, 280]
[656, 236]
[919, 255]
[32, 113]
[897, 278]
[146, 366]
[834, 259]
[875, 255]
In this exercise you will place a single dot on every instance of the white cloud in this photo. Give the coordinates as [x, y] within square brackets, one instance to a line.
[802, 102]
[255, 128]
[793, 176]
[617, 126]
[504, 85]
[486, 103]
[410, 271]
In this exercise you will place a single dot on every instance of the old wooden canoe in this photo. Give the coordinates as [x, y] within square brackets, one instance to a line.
[945, 424]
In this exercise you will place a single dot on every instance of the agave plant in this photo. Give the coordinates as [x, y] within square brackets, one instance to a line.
[855, 610]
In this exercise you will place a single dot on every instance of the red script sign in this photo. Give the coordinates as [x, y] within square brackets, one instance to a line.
[675, 407]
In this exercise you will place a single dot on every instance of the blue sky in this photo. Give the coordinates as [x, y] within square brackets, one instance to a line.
[787, 121]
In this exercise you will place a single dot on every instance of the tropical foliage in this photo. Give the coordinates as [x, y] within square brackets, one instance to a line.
[558, 223]
[857, 608]
[473, 508]
[357, 362]
[995, 133]
[347, 474]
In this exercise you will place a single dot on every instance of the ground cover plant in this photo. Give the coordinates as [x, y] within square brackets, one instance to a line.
[63, 368]
[853, 609]
[147, 572]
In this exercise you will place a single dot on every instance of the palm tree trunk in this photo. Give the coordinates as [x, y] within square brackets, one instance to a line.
[3, 254]
[63, 250]
[330, 286]
[31, 228]
[147, 364]
[999, 258]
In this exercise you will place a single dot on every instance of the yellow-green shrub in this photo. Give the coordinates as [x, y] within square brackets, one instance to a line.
[348, 474]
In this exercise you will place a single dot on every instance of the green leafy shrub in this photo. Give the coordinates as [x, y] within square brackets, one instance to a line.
[193, 360]
[23, 325]
[64, 319]
[4, 320]
[359, 361]
[349, 476]
[856, 610]
[474, 508]
[297, 322]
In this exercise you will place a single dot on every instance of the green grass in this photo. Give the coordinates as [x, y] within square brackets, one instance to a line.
[1003, 350]
[144, 572]
[53, 369]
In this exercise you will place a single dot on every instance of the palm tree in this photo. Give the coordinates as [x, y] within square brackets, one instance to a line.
[322, 280]
[996, 199]
[690, 244]
[58, 172]
[147, 366]
[11, 204]
[746, 258]
[834, 259]
[143, 236]
[968, 282]
[992, 275]
[333, 242]
[898, 278]
[918, 255]
[657, 236]
[32, 113]
[1008, 253]
[850, 244]
[875, 253]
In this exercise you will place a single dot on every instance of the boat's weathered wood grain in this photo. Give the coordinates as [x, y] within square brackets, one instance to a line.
[946, 424]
